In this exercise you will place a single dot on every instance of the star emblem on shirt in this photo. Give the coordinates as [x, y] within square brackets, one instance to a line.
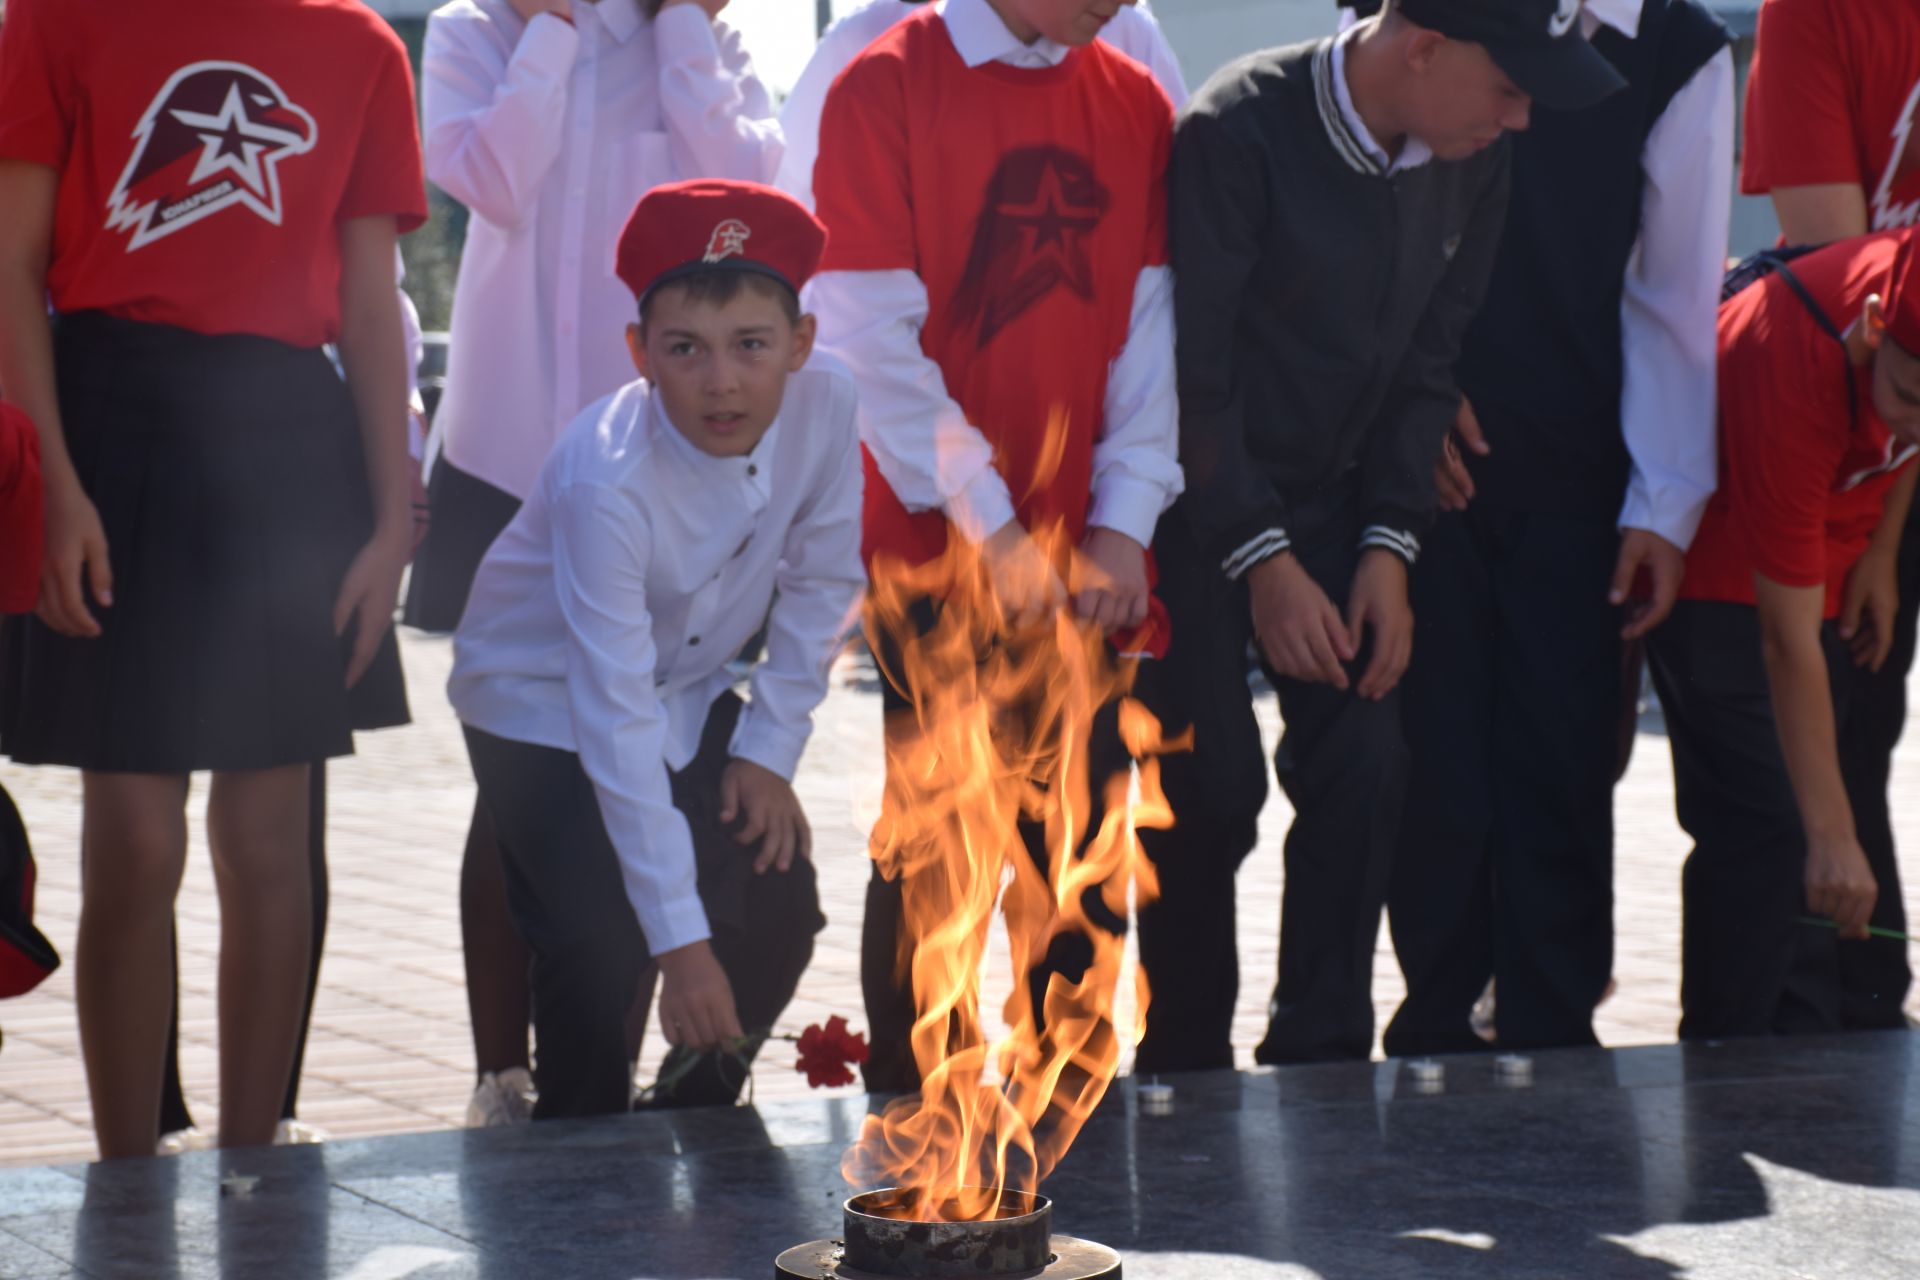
[233, 142]
[1033, 235]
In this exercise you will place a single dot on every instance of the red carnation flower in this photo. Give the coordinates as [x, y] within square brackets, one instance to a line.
[827, 1052]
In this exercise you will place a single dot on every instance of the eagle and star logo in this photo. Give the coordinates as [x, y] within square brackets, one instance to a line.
[1041, 209]
[235, 125]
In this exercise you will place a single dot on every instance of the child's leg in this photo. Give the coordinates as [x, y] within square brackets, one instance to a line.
[496, 957]
[317, 874]
[136, 847]
[257, 833]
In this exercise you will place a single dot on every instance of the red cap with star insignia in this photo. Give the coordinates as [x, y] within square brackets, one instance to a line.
[707, 224]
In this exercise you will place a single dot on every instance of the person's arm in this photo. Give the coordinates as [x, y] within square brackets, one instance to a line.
[75, 559]
[1218, 216]
[1397, 495]
[720, 118]
[602, 545]
[1136, 33]
[1872, 599]
[1802, 137]
[1668, 312]
[815, 608]
[800, 114]
[373, 355]
[1840, 885]
[493, 130]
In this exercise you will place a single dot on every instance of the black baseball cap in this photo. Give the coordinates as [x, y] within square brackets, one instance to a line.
[1538, 43]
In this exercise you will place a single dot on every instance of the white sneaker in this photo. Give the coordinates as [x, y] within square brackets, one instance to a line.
[184, 1140]
[502, 1097]
[297, 1133]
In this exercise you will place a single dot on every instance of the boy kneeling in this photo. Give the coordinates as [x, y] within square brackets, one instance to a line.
[591, 667]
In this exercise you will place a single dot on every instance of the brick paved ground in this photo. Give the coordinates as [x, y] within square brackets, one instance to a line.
[390, 1050]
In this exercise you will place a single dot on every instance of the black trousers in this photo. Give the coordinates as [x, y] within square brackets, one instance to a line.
[1342, 763]
[1504, 867]
[1747, 967]
[884, 958]
[570, 904]
[1874, 980]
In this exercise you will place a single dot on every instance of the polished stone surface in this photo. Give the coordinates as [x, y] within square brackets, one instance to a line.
[1744, 1161]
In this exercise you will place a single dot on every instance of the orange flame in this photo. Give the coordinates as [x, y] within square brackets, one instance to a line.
[1000, 733]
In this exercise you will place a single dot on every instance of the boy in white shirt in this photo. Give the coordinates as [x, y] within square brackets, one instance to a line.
[548, 120]
[590, 668]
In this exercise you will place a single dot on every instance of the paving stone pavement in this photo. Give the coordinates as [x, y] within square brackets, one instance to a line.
[390, 1051]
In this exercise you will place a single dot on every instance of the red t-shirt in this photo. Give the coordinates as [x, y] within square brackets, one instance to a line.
[1801, 483]
[1028, 202]
[22, 518]
[208, 150]
[1831, 99]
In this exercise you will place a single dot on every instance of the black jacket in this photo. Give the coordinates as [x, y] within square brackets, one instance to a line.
[1320, 304]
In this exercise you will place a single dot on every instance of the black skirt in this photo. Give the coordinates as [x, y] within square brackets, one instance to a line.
[465, 515]
[229, 477]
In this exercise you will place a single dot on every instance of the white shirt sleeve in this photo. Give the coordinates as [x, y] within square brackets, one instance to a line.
[1136, 463]
[1137, 34]
[817, 600]
[720, 118]
[601, 546]
[800, 117]
[931, 456]
[493, 131]
[1669, 310]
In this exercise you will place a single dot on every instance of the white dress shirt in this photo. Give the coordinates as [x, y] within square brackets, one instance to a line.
[550, 133]
[603, 619]
[1669, 313]
[1132, 31]
[921, 441]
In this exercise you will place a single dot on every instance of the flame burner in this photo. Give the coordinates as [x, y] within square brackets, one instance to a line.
[1017, 1245]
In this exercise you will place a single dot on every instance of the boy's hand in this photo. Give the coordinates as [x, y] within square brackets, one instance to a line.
[1866, 615]
[696, 1000]
[1378, 599]
[531, 9]
[772, 811]
[367, 597]
[1112, 591]
[1665, 564]
[1840, 884]
[1299, 631]
[712, 7]
[76, 551]
[1451, 478]
[1023, 578]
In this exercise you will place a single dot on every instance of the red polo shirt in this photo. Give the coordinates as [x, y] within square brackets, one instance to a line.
[1802, 482]
[208, 151]
[1831, 98]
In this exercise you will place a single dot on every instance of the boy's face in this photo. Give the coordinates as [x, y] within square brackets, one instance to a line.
[1896, 390]
[720, 369]
[1460, 99]
[1068, 22]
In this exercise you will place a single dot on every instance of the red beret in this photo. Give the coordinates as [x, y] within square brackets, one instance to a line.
[683, 227]
[1902, 300]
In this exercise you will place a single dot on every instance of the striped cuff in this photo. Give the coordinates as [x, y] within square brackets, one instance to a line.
[1268, 544]
[1398, 541]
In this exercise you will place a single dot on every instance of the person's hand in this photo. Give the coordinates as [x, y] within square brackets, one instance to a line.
[1297, 628]
[1111, 591]
[75, 563]
[1665, 564]
[1378, 599]
[367, 596]
[1023, 578]
[531, 9]
[1840, 884]
[696, 1000]
[773, 814]
[1451, 479]
[712, 7]
[1867, 609]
